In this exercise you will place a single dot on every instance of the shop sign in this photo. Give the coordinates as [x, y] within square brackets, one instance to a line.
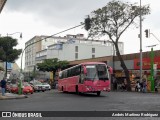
[146, 63]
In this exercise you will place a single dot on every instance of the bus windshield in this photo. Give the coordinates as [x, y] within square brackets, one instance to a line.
[97, 72]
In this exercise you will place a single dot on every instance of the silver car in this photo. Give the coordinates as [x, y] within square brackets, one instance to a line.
[46, 86]
[38, 86]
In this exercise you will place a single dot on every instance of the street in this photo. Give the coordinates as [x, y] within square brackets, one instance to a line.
[108, 101]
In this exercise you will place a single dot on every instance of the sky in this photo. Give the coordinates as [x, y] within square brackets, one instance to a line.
[47, 17]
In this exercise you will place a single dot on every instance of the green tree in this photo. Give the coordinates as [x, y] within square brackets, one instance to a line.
[112, 21]
[8, 53]
[52, 65]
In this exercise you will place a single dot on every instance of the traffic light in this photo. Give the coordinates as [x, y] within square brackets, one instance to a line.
[147, 33]
[87, 23]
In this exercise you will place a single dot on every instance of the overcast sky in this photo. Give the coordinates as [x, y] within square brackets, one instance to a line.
[47, 17]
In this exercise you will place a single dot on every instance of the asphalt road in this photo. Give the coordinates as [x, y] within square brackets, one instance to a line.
[112, 101]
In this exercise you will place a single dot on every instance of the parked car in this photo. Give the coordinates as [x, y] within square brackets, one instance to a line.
[47, 86]
[37, 86]
[14, 88]
[27, 88]
[8, 87]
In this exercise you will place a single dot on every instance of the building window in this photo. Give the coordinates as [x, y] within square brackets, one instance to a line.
[76, 55]
[76, 48]
[93, 56]
[93, 50]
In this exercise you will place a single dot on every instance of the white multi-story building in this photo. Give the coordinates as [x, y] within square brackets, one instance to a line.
[32, 46]
[70, 48]
[39, 43]
[77, 50]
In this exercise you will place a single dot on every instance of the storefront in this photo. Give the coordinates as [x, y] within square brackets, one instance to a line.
[134, 72]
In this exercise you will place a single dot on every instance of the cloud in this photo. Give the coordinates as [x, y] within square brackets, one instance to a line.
[59, 13]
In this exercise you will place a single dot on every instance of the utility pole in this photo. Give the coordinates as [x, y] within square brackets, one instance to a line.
[152, 69]
[6, 55]
[141, 62]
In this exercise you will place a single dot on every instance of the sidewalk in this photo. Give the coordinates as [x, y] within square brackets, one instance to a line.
[12, 96]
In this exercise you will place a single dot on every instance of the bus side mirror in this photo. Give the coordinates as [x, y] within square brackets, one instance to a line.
[84, 70]
[110, 70]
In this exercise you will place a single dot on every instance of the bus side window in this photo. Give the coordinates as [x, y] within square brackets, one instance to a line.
[78, 70]
[69, 73]
[64, 74]
[73, 71]
[60, 75]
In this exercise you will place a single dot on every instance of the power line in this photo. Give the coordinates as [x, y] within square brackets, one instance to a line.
[46, 38]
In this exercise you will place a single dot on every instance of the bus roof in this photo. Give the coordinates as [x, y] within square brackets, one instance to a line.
[85, 63]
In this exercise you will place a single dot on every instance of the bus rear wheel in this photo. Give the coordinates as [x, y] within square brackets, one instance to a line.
[98, 93]
[77, 92]
[62, 89]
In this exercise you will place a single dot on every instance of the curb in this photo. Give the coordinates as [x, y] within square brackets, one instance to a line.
[13, 97]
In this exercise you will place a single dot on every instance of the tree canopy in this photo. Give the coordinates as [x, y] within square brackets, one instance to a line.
[50, 65]
[7, 51]
[112, 21]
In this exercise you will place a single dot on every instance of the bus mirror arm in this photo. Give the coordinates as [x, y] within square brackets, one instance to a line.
[110, 69]
[85, 70]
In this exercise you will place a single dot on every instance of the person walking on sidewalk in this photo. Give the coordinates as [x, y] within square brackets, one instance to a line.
[3, 86]
[144, 86]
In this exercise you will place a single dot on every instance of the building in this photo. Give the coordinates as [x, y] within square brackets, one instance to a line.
[77, 49]
[70, 48]
[37, 43]
[132, 62]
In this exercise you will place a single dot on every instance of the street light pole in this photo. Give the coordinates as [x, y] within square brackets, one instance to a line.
[6, 55]
[141, 62]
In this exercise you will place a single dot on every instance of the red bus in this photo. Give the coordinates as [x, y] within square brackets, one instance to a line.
[89, 77]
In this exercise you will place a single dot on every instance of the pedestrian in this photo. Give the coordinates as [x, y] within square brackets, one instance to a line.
[144, 86]
[138, 87]
[114, 82]
[156, 85]
[141, 86]
[3, 86]
[124, 85]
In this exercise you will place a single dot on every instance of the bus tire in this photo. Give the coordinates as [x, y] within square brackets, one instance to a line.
[98, 93]
[77, 92]
[62, 89]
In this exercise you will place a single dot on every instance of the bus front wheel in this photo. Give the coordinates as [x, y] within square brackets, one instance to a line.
[98, 93]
